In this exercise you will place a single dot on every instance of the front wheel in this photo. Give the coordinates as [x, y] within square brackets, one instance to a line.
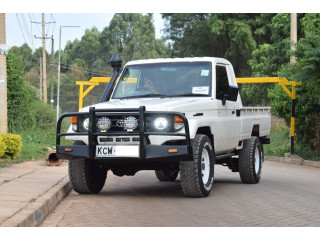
[86, 176]
[250, 160]
[197, 175]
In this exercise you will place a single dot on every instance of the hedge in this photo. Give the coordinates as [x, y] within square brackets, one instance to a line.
[3, 146]
[10, 145]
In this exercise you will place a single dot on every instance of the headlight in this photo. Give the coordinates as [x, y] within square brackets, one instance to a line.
[178, 123]
[130, 123]
[104, 124]
[161, 123]
[85, 124]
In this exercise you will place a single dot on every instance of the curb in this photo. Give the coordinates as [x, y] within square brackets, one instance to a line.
[34, 213]
[297, 161]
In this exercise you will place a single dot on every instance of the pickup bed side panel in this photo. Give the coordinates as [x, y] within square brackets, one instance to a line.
[251, 116]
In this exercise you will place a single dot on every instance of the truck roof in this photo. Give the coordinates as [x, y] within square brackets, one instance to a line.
[189, 59]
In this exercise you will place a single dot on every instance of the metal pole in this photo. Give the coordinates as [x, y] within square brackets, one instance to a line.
[52, 53]
[293, 115]
[44, 64]
[3, 78]
[58, 89]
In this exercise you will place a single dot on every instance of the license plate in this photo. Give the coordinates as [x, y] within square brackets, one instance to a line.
[105, 151]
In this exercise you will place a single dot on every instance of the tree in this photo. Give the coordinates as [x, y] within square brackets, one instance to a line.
[25, 52]
[231, 36]
[191, 35]
[267, 60]
[273, 60]
[132, 35]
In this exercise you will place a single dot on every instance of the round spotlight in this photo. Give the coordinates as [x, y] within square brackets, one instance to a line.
[85, 124]
[130, 123]
[161, 123]
[104, 124]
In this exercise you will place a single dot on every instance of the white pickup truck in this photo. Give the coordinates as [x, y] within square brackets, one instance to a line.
[169, 115]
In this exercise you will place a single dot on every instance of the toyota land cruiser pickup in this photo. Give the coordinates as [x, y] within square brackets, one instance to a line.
[181, 115]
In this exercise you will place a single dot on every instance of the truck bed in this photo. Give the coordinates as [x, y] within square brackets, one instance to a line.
[256, 118]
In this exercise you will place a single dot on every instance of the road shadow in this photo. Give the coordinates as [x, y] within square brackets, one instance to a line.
[155, 188]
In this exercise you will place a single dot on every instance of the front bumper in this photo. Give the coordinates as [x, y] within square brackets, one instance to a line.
[146, 152]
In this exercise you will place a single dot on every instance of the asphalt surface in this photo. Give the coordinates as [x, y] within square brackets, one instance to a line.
[287, 195]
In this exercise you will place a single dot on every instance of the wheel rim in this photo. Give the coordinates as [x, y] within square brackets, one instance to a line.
[257, 160]
[205, 166]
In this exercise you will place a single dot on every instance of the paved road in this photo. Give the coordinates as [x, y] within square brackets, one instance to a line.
[287, 195]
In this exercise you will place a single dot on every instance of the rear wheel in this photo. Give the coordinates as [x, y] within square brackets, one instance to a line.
[250, 160]
[197, 175]
[167, 175]
[86, 176]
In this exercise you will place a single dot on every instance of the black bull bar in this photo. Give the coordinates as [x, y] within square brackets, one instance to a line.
[146, 151]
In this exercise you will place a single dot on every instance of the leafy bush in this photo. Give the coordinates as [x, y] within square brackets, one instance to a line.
[3, 146]
[13, 144]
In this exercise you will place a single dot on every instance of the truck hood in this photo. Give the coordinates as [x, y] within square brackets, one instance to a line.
[155, 104]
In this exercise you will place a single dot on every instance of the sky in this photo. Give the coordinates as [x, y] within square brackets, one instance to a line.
[19, 28]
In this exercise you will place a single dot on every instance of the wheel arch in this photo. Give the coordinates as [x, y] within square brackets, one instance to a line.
[206, 131]
[255, 130]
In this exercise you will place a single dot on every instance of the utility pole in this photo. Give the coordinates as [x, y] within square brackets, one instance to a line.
[293, 40]
[293, 35]
[3, 76]
[41, 80]
[44, 65]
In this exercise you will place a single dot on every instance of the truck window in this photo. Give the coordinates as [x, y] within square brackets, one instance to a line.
[222, 84]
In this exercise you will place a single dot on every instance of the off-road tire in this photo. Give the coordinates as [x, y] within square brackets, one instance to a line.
[86, 176]
[191, 171]
[167, 175]
[247, 161]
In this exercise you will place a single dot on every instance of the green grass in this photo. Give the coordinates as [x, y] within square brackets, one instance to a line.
[280, 145]
[279, 142]
[34, 144]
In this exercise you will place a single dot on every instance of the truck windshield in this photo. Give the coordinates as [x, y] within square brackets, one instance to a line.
[165, 80]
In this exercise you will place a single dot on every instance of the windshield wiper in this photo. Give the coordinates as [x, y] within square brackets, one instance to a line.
[145, 95]
[188, 94]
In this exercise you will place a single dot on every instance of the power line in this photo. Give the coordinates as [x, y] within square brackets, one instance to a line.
[79, 68]
[54, 25]
[36, 22]
[31, 29]
[26, 27]
[20, 28]
[48, 25]
[86, 69]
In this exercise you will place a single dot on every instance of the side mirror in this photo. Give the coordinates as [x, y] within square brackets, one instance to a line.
[231, 96]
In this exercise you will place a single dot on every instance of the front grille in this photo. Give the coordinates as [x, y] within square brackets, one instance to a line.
[118, 140]
[122, 139]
